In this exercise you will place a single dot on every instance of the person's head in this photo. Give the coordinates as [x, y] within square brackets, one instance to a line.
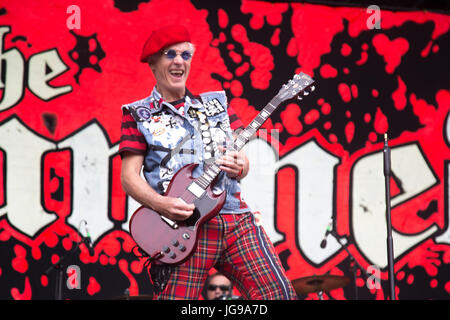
[217, 285]
[169, 53]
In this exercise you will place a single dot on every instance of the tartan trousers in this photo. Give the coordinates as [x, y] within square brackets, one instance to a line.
[237, 247]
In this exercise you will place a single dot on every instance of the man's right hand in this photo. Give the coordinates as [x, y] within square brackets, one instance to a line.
[175, 208]
[135, 186]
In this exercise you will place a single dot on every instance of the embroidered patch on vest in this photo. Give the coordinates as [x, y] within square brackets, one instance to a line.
[192, 113]
[213, 107]
[143, 113]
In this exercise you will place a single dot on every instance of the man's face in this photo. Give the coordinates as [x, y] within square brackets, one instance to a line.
[216, 284]
[171, 73]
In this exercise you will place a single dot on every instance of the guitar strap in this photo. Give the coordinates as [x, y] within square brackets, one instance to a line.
[203, 129]
[176, 150]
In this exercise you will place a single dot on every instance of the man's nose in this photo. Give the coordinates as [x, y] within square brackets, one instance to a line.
[178, 59]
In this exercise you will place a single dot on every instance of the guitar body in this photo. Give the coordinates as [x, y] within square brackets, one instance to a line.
[174, 244]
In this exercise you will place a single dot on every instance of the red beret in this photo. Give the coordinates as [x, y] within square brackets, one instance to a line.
[162, 38]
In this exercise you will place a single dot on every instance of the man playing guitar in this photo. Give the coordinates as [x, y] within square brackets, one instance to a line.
[170, 129]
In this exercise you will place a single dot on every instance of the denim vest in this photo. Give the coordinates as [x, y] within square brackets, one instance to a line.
[174, 139]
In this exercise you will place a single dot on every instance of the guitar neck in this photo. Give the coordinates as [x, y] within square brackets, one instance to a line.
[297, 85]
[245, 135]
[213, 170]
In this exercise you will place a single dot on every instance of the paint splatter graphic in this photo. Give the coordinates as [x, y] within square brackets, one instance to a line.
[368, 82]
[87, 53]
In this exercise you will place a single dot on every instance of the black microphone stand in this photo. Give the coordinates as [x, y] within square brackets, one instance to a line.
[60, 266]
[390, 246]
[353, 261]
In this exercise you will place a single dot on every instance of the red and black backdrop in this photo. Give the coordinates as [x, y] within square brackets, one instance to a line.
[67, 67]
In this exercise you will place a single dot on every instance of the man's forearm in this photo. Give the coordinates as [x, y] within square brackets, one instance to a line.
[141, 191]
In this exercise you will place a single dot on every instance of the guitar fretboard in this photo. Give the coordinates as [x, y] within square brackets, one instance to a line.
[297, 85]
[245, 135]
[213, 170]
[210, 173]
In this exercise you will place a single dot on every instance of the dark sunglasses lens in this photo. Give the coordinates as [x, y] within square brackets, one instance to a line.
[186, 55]
[171, 54]
[213, 287]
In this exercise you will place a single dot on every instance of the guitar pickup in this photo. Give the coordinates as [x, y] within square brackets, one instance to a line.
[196, 190]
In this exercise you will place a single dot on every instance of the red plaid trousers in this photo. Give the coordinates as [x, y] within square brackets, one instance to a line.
[239, 248]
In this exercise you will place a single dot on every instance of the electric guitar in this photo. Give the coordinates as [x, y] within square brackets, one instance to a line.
[172, 242]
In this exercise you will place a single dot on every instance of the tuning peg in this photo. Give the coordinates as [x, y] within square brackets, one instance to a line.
[299, 98]
[305, 93]
[312, 88]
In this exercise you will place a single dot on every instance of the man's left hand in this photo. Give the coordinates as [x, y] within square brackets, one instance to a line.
[233, 163]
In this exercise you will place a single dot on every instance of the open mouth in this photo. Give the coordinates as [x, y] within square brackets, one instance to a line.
[177, 73]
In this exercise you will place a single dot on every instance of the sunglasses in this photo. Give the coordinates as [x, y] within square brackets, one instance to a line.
[171, 54]
[213, 287]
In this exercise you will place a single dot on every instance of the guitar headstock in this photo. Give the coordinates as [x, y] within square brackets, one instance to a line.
[300, 84]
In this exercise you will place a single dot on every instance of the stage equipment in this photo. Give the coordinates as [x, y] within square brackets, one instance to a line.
[319, 284]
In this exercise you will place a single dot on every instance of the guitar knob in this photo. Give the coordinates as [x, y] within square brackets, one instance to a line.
[182, 248]
[172, 255]
[175, 243]
[186, 236]
[166, 249]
